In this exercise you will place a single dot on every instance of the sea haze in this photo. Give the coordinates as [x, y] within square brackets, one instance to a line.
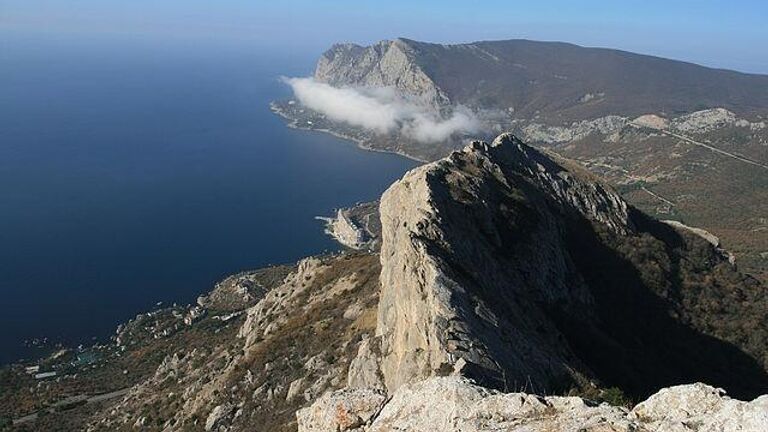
[133, 173]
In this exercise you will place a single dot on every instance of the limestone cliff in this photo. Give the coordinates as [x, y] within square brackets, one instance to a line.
[466, 257]
[385, 64]
[503, 263]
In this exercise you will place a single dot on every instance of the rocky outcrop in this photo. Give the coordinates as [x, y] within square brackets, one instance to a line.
[505, 265]
[706, 235]
[458, 281]
[242, 290]
[385, 64]
[456, 404]
[344, 410]
[504, 269]
[550, 134]
[293, 345]
[699, 407]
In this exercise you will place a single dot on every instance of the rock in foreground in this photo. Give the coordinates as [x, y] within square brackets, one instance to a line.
[456, 404]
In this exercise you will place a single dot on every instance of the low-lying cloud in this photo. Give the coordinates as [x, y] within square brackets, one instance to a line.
[381, 110]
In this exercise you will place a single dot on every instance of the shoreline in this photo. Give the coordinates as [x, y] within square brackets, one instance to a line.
[292, 123]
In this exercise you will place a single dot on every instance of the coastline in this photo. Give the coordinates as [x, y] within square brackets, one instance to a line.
[292, 123]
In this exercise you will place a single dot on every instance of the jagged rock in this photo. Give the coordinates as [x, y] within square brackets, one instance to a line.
[343, 410]
[364, 370]
[455, 404]
[450, 291]
[451, 404]
[316, 363]
[521, 265]
[353, 311]
[706, 235]
[385, 64]
[699, 407]
[217, 415]
[266, 317]
[294, 389]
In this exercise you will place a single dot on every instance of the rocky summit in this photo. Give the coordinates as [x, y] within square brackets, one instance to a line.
[521, 273]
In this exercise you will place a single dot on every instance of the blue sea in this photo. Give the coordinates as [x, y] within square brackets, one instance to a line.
[134, 172]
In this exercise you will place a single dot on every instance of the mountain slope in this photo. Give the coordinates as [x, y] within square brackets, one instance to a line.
[551, 80]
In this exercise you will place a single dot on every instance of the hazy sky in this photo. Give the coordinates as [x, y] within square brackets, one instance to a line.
[731, 34]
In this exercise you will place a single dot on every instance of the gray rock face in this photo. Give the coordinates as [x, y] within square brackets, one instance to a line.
[343, 410]
[522, 271]
[699, 407]
[468, 254]
[455, 404]
[385, 64]
[364, 370]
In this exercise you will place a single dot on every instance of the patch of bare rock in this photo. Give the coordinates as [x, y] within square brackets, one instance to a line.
[449, 404]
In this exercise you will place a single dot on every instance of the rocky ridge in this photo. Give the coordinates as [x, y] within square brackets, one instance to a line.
[435, 262]
[480, 280]
[697, 122]
[549, 80]
[288, 348]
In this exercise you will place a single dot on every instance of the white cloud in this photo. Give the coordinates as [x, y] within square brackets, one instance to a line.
[382, 110]
[426, 128]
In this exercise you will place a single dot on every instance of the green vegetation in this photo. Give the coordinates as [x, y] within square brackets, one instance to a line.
[611, 395]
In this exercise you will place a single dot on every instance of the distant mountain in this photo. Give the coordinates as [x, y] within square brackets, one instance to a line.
[552, 80]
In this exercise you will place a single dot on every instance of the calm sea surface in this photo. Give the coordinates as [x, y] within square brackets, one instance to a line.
[133, 173]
